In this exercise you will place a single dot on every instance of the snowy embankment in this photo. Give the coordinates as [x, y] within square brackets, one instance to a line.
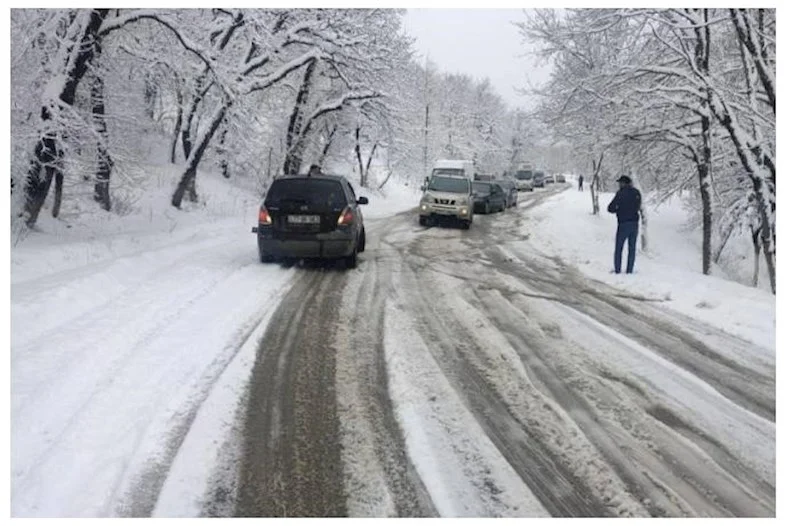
[132, 338]
[670, 270]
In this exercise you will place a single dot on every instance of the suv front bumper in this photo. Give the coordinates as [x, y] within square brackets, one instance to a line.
[434, 209]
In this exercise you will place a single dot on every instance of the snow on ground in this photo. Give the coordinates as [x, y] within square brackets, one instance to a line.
[454, 457]
[125, 336]
[670, 270]
[132, 337]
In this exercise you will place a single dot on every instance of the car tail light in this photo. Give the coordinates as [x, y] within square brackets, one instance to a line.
[263, 216]
[346, 218]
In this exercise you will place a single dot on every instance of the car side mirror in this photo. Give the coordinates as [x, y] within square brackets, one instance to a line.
[363, 201]
[422, 188]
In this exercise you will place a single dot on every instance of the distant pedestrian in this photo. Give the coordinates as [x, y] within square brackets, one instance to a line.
[314, 170]
[580, 183]
[627, 204]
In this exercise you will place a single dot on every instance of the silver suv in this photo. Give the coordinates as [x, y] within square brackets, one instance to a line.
[446, 198]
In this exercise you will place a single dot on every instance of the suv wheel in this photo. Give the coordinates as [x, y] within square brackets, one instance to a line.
[423, 221]
[466, 224]
[362, 241]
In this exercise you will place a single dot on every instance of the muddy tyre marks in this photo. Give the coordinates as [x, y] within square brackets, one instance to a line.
[291, 463]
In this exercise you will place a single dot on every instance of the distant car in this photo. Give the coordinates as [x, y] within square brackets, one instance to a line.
[560, 178]
[489, 197]
[538, 179]
[524, 180]
[311, 217]
[512, 193]
[549, 179]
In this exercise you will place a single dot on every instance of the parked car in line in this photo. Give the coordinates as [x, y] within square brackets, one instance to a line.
[538, 179]
[524, 180]
[549, 179]
[489, 197]
[560, 178]
[512, 194]
[311, 217]
[447, 197]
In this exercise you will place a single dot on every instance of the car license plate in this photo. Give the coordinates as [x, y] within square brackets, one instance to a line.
[303, 220]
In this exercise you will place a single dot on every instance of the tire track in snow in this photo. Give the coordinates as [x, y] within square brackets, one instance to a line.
[142, 333]
[526, 445]
[291, 463]
[379, 477]
[140, 489]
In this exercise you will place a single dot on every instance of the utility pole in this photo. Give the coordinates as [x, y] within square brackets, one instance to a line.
[427, 121]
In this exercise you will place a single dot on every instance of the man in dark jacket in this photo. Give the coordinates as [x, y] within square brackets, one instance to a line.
[626, 204]
[580, 183]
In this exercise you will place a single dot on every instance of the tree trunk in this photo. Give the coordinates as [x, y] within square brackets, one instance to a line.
[593, 187]
[103, 162]
[222, 152]
[365, 175]
[724, 241]
[294, 142]
[188, 118]
[46, 163]
[644, 235]
[58, 192]
[754, 236]
[765, 195]
[389, 175]
[176, 131]
[328, 143]
[48, 153]
[425, 144]
[358, 155]
[702, 56]
[187, 181]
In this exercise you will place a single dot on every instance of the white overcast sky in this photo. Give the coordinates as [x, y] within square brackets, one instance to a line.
[478, 42]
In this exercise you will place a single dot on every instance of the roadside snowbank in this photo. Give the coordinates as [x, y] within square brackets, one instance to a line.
[670, 270]
[131, 341]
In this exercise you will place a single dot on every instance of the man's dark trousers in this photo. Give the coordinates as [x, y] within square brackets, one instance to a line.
[627, 231]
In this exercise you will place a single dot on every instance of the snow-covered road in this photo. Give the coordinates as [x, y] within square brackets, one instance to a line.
[475, 376]
[454, 373]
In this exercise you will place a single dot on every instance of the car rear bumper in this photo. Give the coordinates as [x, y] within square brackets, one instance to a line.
[329, 245]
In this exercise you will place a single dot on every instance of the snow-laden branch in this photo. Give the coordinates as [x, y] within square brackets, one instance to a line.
[282, 72]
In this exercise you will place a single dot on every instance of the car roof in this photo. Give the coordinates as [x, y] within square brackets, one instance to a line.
[303, 177]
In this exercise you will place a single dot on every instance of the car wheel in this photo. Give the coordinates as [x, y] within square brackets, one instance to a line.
[351, 261]
[466, 224]
[362, 241]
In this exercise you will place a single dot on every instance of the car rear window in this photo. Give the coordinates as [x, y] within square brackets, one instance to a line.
[315, 192]
[481, 188]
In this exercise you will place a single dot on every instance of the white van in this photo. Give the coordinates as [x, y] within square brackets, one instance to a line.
[454, 168]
